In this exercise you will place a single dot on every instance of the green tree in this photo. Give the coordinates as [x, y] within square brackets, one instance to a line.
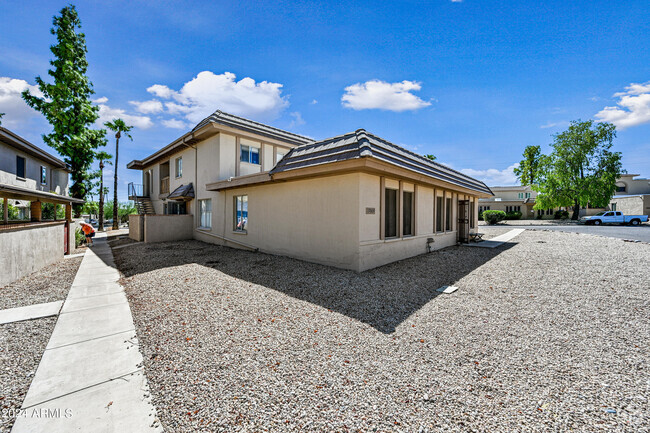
[118, 126]
[66, 103]
[1, 116]
[103, 157]
[430, 157]
[529, 166]
[91, 208]
[582, 170]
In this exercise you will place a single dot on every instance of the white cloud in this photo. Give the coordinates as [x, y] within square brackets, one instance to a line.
[147, 107]
[208, 92]
[494, 177]
[633, 107]
[175, 124]
[107, 114]
[160, 91]
[297, 119]
[376, 94]
[314, 102]
[12, 104]
[101, 100]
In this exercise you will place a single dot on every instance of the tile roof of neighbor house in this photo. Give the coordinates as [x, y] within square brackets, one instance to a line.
[361, 144]
[231, 120]
[14, 140]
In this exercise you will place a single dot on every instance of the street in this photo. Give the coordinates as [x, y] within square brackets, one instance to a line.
[641, 233]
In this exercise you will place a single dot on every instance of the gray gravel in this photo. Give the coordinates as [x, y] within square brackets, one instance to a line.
[21, 347]
[550, 333]
[48, 284]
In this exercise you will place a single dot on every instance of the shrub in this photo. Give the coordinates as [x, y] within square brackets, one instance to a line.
[539, 217]
[516, 215]
[493, 216]
[480, 216]
[561, 215]
[79, 237]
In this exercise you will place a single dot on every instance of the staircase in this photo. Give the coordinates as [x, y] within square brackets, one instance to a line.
[142, 202]
[144, 206]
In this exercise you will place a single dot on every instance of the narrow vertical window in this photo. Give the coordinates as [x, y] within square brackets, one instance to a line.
[439, 209]
[205, 210]
[179, 167]
[20, 166]
[390, 218]
[43, 175]
[241, 213]
[471, 214]
[448, 214]
[407, 213]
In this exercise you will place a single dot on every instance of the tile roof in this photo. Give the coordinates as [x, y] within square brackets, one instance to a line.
[360, 144]
[231, 120]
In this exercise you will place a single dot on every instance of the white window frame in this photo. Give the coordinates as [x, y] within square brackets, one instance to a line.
[249, 154]
[239, 201]
[205, 213]
[178, 167]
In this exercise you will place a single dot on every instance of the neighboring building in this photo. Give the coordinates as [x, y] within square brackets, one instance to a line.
[632, 197]
[354, 201]
[29, 177]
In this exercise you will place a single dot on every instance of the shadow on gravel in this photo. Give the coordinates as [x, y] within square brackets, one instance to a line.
[383, 297]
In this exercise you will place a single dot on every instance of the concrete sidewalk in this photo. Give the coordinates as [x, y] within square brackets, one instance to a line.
[496, 241]
[29, 312]
[91, 377]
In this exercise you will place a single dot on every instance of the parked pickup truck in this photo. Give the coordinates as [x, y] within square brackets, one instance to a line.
[614, 217]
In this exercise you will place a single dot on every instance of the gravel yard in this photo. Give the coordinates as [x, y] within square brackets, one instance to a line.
[548, 333]
[51, 283]
[21, 346]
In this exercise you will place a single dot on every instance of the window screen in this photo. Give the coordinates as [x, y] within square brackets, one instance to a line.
[20, 166]
[407, 205]
[241, 213]
[448, 214]
[390, 219]
[439, 209]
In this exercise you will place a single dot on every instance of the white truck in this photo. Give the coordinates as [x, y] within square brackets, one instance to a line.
[614, 217]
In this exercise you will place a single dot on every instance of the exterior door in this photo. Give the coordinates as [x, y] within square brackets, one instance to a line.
[463, 221]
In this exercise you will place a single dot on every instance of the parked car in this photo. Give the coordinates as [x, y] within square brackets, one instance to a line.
[614, 217]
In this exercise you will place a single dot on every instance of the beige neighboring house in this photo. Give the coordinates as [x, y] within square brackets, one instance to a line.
[632, 197]
[353, 201]
[29, 177]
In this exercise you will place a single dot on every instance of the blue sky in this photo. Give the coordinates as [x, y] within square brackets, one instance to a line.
[470, 81]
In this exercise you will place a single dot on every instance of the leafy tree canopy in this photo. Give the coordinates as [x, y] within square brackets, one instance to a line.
[582, 169]
[430, 157]
[66, 103]
[529, 166]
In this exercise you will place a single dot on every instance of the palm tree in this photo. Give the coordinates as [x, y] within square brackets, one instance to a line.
[118, 126]
[103, 157]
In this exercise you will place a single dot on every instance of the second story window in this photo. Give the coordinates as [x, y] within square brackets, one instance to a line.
[43, 175]
[250, 154]
[20, 167]
[179, 167]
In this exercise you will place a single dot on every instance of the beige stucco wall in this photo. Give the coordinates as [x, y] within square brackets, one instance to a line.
[136, 223]
[27, 249]
[328, 220]
[165, 228]
[633, 205]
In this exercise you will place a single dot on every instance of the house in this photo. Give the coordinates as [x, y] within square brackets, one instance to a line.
[354, 201]
[632, 195]
[512, 199]
[30, 177]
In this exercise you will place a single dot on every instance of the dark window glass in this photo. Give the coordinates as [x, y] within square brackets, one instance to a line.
[175, 208]
[448, 214]
[407, 205]
[43, 175]
[20, 166]
[471, 214]
[439, 206]
[390, 219]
